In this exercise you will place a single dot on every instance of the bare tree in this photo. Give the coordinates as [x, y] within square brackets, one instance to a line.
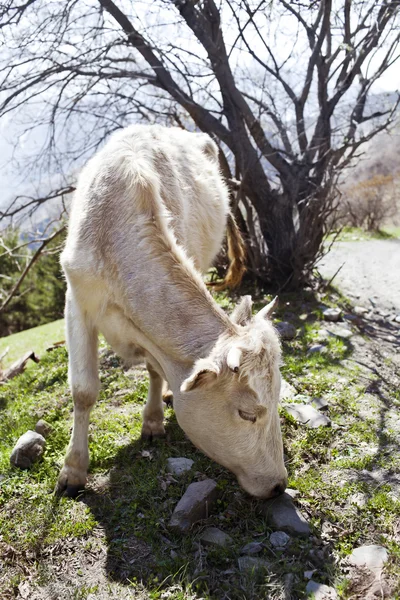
[282, 86]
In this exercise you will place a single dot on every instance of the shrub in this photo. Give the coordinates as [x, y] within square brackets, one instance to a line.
[369, 204]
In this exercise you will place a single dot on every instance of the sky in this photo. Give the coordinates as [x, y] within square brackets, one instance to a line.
[21, 173]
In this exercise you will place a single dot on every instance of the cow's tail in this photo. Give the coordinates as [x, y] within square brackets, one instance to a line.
[236, 255]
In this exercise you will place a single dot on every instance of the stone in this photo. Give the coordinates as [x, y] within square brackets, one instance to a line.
[343, 333]
[360, 310]
[287, 390]
[249, 564]
[252, 548]
[357, 499]
[178, 466]
[319, 591]
[291, 492]
[283, 515]
[212, 536]
[332, 314]
[307, 415]
[397, 319]
[309, 574]
[279, 539]
[317, 349]
[286, 330]
[320, 403]
[28, 449]
[373, 557]
[194, 505]
[43, 428]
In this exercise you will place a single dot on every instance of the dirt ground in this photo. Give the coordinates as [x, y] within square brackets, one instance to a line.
[369, 269]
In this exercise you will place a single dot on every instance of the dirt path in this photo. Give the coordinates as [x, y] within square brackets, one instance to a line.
[371, 269]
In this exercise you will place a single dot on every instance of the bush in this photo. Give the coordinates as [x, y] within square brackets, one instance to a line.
[369, 204]
[41, 297]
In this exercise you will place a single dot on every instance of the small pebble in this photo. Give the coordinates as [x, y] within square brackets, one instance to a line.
[279, 539]
[372, 556]
[178, 466]
[43, 428]
[212, 536]
[319, 591]
[317, 348]
[332, 314]
[252, 548]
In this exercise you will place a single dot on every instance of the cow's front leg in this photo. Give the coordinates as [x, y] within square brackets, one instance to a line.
[84, 382]
[153, 413]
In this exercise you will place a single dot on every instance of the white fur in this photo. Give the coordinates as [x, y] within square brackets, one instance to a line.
[148, 216]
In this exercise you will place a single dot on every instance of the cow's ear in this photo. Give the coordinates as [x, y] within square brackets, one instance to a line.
[241, 314]
[204, 375]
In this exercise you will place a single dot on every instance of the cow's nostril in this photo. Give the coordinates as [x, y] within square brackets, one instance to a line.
[279, 489]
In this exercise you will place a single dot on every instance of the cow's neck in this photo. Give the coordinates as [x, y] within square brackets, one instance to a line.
[168, 301]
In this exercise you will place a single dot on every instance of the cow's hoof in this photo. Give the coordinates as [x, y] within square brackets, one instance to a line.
[152, 431]
[168, 399]
[65, 487]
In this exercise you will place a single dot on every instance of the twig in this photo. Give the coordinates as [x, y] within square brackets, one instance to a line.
[333, 277]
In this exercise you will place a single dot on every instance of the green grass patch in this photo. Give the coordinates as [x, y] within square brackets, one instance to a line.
[355, 234]
[36, 339]
[120, 524]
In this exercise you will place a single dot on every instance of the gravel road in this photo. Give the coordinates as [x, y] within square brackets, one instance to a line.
[371, 270]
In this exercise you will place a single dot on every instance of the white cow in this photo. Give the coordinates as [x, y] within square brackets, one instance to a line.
[148, 215]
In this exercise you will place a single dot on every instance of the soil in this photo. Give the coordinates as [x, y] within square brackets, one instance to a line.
[368, 270]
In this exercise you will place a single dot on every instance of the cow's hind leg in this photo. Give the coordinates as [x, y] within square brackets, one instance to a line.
[153, 413]
[84, 382]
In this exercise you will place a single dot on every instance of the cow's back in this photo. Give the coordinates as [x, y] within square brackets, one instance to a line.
[184, 168]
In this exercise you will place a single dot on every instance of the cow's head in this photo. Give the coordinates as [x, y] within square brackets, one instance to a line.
[228, 406]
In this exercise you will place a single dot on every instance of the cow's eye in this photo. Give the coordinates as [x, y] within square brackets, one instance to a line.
[247, 416]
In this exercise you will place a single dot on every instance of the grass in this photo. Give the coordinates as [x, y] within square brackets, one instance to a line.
[114, 542]
[355, 234]
[36, 339]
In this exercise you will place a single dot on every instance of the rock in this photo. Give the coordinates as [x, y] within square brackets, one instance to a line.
[249, 564]
[373, 557]
[279, 539]
[212, 536]
[309, 574]
[319, 591]
[252, 548]
[178, 466]
[357, 499]
[194, 505]
[287, 390]
[343, 333]
[292, 493]
[286, 330]
[397, 319]
[317, 349]
[43, 428]
[320, 403]
[307, 415]
[28, 449]
[332, 314]
[282, 514]
[360, 310]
